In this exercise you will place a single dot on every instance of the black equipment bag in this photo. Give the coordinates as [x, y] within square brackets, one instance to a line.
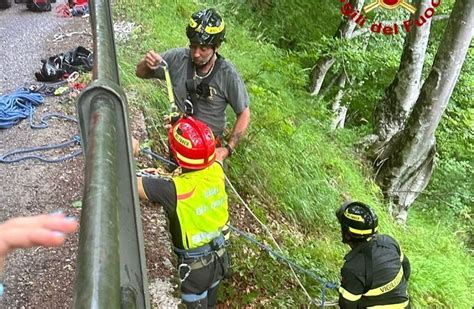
[39, 5]
[5, 4]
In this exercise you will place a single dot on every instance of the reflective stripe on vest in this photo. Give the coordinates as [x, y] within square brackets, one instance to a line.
[387, 287]
[348, 295]
[201, 205]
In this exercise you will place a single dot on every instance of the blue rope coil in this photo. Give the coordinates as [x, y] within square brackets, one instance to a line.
[18, 105]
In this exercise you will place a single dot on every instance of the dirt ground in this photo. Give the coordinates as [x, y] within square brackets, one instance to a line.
[44, 278]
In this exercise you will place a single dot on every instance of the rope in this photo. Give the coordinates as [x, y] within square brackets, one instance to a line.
[44, 120]
[17, 106]
[326, 284]
[22, 104]
[62, 10]
[123, 30]
[169, 163]
[75, 140]
[271, 236]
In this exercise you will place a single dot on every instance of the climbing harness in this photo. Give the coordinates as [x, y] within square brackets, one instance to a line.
[202, 90]
[46, 88]
[212, 251]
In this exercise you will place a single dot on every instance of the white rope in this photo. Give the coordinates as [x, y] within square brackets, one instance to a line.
[61, 36]
[122, 30]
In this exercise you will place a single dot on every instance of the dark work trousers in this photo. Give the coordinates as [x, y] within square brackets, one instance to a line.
[199, 288]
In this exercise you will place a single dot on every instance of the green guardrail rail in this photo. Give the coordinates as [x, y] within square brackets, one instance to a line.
[111, 265]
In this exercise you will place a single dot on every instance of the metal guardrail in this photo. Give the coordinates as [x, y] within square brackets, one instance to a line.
[111, 265]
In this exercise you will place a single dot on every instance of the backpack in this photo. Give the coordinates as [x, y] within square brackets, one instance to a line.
[39, 5]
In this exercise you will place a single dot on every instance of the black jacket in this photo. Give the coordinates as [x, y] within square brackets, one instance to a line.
[375, 273]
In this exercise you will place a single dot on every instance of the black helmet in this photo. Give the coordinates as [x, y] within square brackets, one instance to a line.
[206, 27]
[357, 220]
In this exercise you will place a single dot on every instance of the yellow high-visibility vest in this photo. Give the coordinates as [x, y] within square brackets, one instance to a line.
[202, 205]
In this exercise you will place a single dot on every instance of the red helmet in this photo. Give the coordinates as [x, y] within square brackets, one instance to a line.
[192, 143]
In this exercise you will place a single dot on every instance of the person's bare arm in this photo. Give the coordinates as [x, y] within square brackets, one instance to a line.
[238, 132]
[141, 190]
[240, 127]
[147, 66]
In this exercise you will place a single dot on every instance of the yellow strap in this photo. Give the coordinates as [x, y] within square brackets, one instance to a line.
[387, 287]
[348, 295]
[168, 85]
[392, 306]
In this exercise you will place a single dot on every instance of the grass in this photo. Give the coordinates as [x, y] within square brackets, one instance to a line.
[291, 163]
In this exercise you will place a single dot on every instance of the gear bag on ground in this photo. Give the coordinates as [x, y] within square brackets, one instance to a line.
[37, 5]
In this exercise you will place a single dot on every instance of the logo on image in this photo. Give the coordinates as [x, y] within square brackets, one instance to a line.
[393, 28]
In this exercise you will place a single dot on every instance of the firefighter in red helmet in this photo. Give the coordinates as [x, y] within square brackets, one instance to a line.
[196, 205]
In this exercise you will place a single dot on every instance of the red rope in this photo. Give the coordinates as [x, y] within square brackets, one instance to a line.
[63, 10]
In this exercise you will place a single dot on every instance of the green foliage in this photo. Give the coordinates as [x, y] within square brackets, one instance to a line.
[291, 166]
[444, 271]
[288, 24]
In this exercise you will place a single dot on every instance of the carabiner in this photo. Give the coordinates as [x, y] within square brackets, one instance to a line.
[186, 275]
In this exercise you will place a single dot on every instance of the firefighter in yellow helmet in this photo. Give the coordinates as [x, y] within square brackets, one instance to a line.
[202, 77]
[196, 205]
[375, 272]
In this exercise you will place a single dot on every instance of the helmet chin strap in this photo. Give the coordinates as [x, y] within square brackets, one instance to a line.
[200, 66]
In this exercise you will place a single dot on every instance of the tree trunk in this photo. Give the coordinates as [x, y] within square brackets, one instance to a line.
[393, 109]
[318, 74]
[325, 62]
[338, 110]
[406, 164]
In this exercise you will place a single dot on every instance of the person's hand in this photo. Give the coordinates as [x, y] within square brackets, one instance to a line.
[135, 147]
[26, 232]
[152, 171]
[153, 60]
[221, 154]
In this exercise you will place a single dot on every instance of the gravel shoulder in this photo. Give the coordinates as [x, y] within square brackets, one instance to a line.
[39, 277]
